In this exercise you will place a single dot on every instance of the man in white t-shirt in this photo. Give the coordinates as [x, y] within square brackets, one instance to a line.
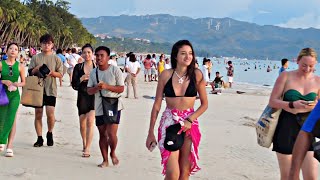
[205, 70]
[113, 59]
[133, 68]
[154, 68]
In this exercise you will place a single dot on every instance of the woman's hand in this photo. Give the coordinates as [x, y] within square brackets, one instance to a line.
[150, 139]
[7, 82]
[84, 77]
[186, 126]
[16, 84]
[300, 104]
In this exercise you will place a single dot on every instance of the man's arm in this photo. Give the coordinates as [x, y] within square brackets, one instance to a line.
[92, 90]
[300, 149]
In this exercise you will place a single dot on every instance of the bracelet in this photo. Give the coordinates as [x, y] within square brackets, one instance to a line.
[189, 120]
[291, 105]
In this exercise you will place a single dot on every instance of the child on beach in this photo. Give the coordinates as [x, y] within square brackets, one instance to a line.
[181, 84]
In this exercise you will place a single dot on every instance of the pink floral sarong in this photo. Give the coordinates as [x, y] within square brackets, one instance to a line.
[172, 116]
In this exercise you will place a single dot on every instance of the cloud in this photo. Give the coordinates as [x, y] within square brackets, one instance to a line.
[306, 21]
[264, 12]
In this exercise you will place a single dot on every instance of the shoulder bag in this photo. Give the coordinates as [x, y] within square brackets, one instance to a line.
[3, 95]
[109, 106]
[32, 92]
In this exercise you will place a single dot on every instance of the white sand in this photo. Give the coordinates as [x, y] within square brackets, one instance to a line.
[228, 149]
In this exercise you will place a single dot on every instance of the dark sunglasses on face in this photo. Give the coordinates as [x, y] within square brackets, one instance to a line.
[10, 71]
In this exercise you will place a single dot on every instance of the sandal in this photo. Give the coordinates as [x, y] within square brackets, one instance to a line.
[85, 155]
[2, 146]
[9, 153]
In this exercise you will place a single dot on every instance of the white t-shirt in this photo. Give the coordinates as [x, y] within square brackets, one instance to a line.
[205, 73]
[73, 58]
[167, 66]
[112, 76]
[113, 62]
[153, 63]
[133, 66]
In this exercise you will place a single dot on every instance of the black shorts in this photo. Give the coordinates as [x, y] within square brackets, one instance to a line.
[100, 121]
[49, 101]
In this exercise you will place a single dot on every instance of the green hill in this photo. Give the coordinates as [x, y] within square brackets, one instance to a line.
[231, 38]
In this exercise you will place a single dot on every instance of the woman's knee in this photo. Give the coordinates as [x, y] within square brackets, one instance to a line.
[172, 174]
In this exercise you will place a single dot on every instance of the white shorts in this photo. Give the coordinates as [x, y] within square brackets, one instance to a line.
[153, 71]
[230, 79]
[147, 71]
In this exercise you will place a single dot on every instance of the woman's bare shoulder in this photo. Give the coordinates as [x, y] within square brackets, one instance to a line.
[198, 74]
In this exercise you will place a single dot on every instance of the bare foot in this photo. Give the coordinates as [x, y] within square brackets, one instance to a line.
[115, 160]
[103, 164]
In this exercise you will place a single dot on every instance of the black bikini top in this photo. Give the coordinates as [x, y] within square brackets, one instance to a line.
[190, 92]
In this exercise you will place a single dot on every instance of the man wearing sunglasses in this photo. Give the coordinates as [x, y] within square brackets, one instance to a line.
[50, 86]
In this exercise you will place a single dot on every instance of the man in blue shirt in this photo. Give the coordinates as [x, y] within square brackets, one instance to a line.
[63, 59]
[309, 130]
[285, 64]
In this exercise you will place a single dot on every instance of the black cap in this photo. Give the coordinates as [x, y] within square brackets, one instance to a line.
[173, 140]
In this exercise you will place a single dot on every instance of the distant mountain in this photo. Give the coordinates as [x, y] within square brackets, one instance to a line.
[210, 36]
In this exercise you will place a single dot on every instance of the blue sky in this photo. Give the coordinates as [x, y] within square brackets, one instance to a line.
[285, 13]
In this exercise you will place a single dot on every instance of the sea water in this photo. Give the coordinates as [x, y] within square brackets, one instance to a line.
[245, 72]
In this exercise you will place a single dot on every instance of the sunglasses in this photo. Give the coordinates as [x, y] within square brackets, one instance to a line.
[10, 71]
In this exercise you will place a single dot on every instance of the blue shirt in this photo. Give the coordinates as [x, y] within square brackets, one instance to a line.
[310, 124]
[62, 58]
[281, 70]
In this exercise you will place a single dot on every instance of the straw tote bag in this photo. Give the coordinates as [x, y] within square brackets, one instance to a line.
[266, 126]
[32, 92]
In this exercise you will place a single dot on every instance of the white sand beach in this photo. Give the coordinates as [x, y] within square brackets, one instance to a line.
[228, 149]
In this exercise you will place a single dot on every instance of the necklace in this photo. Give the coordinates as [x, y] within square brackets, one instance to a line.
[180, 81]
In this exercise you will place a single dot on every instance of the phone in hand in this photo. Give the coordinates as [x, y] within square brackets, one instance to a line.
[152, 146]
[311, 103]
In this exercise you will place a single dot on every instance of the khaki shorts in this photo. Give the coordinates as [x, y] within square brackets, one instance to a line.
[64, 69]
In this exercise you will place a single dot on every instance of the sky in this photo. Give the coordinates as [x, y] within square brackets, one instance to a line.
[284, 13]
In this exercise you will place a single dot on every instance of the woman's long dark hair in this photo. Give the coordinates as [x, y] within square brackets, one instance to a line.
[174, 52]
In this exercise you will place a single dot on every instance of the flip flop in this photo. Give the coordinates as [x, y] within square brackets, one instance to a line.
[2, 146]
[9, 153]
[86, 155]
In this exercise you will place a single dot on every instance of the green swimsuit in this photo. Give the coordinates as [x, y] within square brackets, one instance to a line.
[290, 124]
[8, 112]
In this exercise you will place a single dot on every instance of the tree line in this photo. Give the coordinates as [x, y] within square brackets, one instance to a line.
[24, 22]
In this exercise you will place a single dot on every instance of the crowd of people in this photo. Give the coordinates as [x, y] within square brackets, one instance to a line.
[100, 82]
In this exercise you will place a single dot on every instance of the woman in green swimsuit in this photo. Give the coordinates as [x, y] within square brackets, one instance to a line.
[292, 93]
[10, 71]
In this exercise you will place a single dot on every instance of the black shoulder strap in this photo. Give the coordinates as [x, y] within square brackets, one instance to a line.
[97, 78]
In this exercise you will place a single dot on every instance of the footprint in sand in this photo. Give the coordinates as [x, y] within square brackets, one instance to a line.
[250, 122]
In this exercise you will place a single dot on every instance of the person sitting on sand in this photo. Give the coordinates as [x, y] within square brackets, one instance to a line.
[106, 80]
[181, 84]
[217, 83]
